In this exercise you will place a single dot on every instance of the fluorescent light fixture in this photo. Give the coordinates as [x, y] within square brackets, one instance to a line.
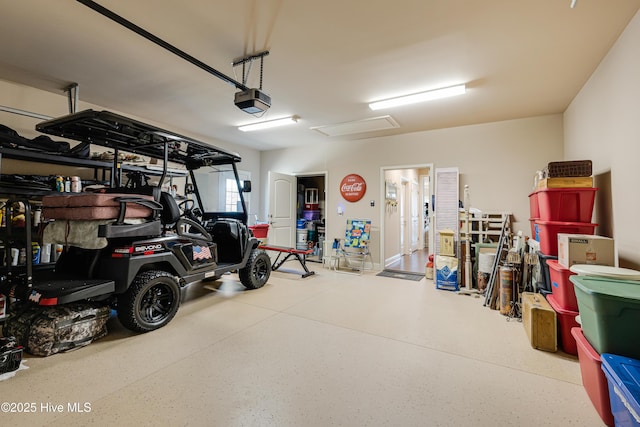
[269, 124]
[419, 97]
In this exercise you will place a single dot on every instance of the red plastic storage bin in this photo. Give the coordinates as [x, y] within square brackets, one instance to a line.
[566, 321]
[593, 378]
[561, 287]
[534, 205]
[548, 233]
[564, 204]
[534, 234]
[260, 231]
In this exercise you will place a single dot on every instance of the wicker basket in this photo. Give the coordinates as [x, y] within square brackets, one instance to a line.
[573, 168]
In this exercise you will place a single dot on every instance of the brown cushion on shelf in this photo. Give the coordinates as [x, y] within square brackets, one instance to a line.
[91, 206]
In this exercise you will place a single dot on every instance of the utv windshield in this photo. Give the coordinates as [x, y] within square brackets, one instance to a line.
[219, 192]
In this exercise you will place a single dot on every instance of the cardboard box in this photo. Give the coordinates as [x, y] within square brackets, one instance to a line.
[575, 182]
[540, 322]
[585, 249]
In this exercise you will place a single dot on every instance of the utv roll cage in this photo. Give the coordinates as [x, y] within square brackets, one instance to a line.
[122, 133]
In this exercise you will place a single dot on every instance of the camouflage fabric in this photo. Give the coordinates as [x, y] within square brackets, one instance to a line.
[19, 319]
[44, 331]
[7, 343]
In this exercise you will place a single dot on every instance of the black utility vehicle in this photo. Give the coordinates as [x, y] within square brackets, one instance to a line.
[143, 264]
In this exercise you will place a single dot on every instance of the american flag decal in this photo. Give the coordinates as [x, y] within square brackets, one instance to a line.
[201, 252]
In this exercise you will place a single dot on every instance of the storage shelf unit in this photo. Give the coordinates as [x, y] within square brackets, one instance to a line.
[104, 168]
[22, 238]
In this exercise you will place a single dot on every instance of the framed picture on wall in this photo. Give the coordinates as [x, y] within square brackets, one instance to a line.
[391, 190]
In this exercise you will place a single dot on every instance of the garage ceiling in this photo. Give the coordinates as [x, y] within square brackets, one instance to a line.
[328, 59]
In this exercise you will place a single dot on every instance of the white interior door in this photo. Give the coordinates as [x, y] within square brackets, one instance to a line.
[415, 217]
[282, 209]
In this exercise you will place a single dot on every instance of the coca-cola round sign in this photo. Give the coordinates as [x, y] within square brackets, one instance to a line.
[353, 187]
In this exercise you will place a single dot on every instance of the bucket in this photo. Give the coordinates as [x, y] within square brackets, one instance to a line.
[429, 270]
[485, 262]
[301, 241]
[260, 231]
[506, 289]
[301, 223]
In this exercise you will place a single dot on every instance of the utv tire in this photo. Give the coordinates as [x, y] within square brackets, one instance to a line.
[151, 301]
[257, 271]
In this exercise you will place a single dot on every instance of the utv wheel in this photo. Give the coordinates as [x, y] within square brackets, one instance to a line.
[256, 273]
[150, 302]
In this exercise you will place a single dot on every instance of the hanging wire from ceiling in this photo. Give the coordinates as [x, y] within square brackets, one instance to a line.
[248, 59]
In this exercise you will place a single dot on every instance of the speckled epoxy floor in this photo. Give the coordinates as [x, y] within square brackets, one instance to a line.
[328, 350]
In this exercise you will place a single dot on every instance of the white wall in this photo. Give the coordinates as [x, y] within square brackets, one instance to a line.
[497, 160]
[603, 124]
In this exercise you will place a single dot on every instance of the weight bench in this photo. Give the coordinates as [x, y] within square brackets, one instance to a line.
[298, 254]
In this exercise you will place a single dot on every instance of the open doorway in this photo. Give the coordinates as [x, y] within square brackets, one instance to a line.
[296, 211]
[406, 241]
[311, 215]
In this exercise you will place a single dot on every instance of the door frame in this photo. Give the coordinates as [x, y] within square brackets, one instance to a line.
[297, 175]
[383, 169]
[417, 228]
[325, 212]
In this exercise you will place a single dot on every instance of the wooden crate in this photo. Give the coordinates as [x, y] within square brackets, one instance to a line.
[575, 182]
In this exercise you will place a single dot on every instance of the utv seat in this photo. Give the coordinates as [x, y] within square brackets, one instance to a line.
[173, 220]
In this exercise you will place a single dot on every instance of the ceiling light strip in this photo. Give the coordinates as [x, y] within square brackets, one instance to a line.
[429, 95]
[268, 124]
